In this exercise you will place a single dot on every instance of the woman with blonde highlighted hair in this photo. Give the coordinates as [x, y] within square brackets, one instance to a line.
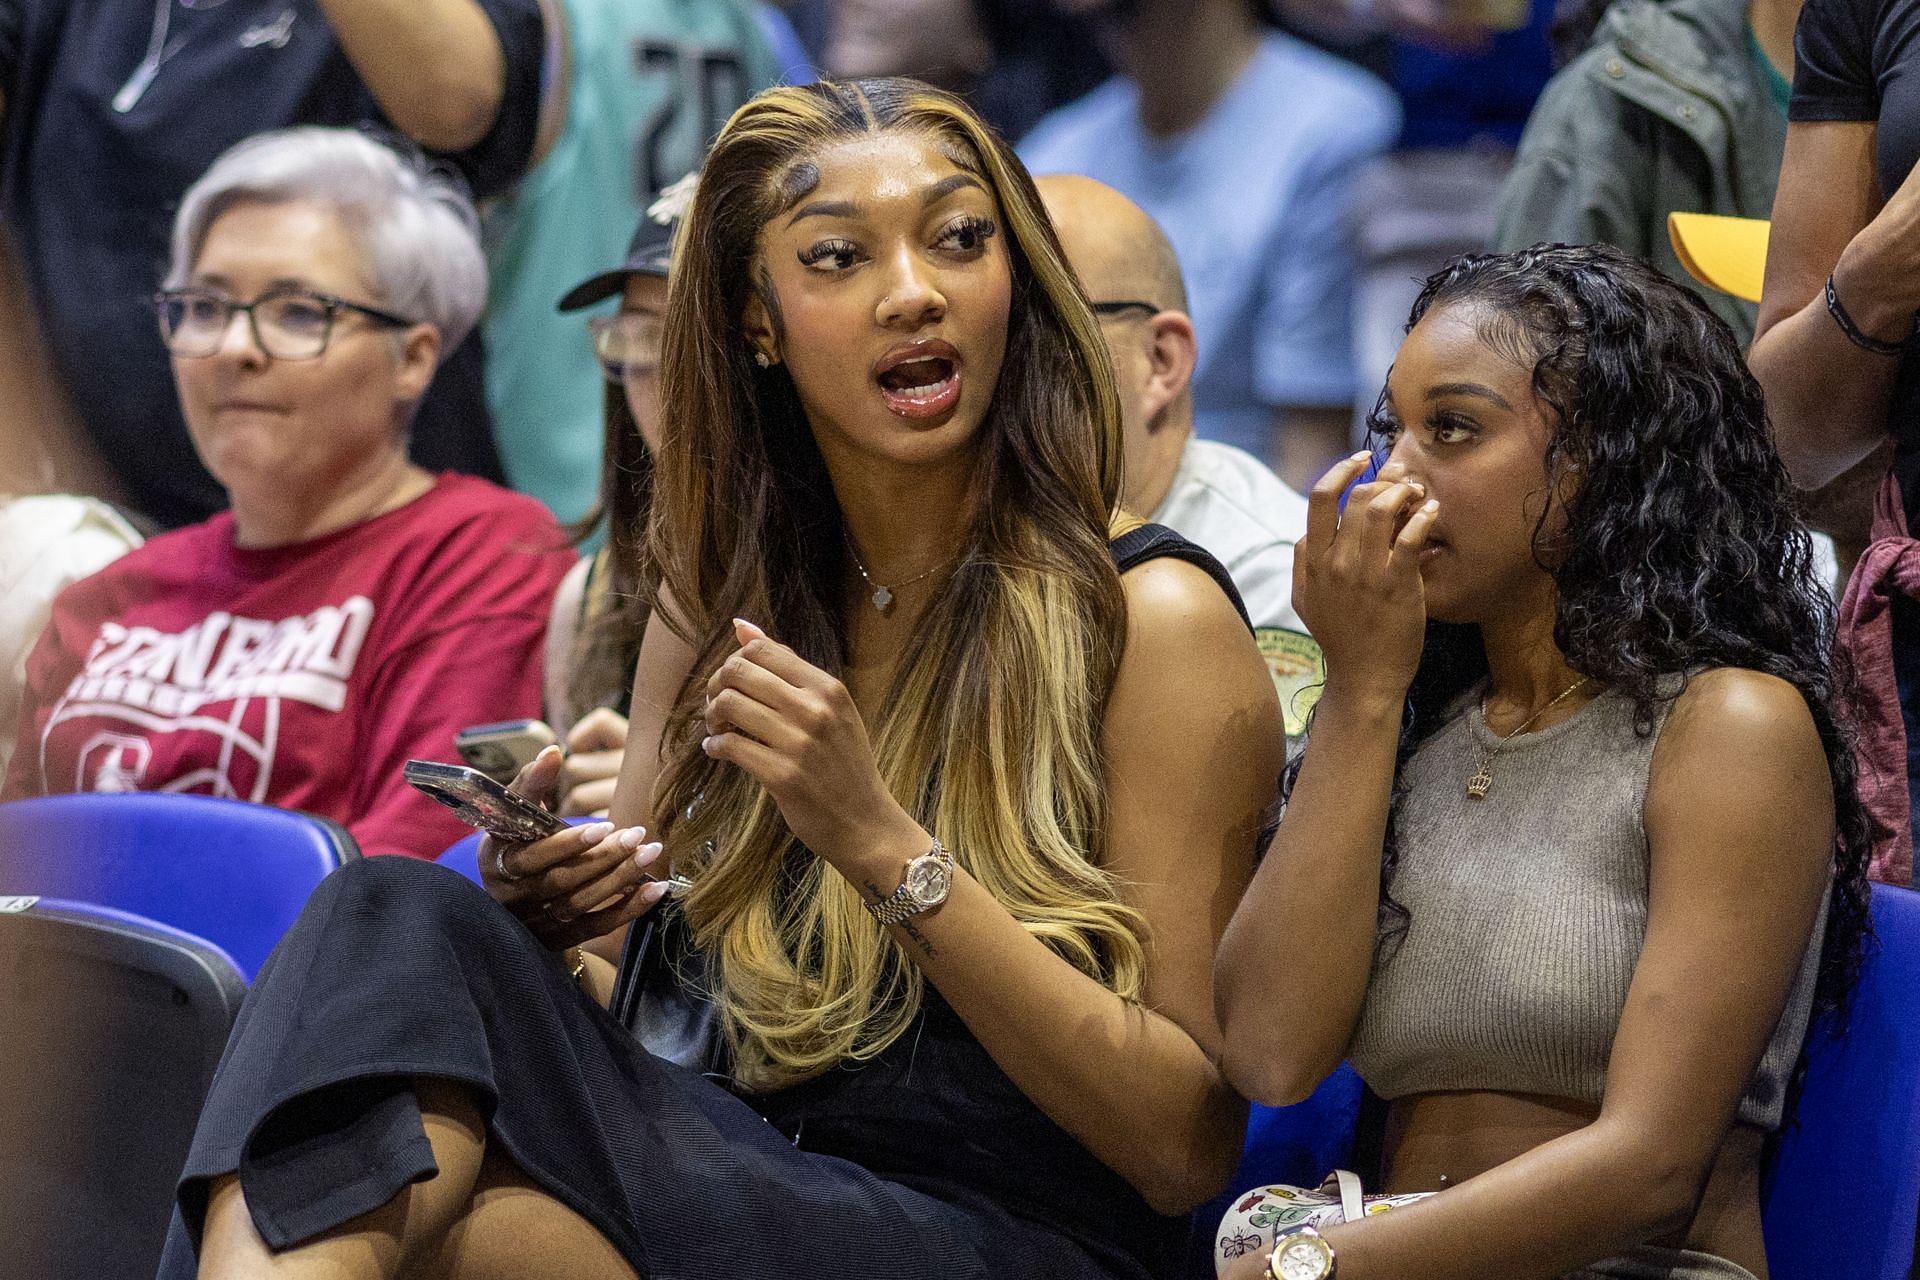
[962, 771]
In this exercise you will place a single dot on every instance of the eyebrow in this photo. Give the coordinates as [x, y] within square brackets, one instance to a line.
[825, 209]
[947, 186]
[1467, 389]
[214, 280]
[848, 209]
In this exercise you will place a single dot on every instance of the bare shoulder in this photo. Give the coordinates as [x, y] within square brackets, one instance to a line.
[1188, 653]
[1729, 705]
[1175, 601]
[1740, 747]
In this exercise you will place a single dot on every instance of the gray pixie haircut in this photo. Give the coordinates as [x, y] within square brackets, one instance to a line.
[414, 223]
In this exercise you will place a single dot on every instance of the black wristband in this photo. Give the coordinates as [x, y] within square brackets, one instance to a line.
[1864, 341]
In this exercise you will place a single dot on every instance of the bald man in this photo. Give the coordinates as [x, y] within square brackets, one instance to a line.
[1225, 499]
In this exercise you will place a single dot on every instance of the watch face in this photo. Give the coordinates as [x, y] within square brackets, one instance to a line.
[928, 880]
[1303, 1258]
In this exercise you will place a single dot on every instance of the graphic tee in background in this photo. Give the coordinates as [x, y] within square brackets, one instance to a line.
[1255, 200]
[302, 676]
[650, 84]
[88, 193]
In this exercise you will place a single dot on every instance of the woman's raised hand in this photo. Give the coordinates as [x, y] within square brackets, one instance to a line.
[596, 748]
[578, 885]
[797, 731]
[1878, 275]
[1356, 579]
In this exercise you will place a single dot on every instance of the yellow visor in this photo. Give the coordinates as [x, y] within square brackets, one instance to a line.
[1728, 254]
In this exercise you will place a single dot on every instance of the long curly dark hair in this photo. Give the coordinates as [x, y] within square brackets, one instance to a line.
[1683, 544]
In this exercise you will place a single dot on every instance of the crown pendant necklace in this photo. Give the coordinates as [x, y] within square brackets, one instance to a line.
[882, 596]
[1482, 778]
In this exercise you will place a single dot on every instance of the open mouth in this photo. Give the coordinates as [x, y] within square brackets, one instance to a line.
[920, 379]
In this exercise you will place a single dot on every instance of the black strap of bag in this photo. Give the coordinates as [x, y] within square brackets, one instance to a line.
[660, 994]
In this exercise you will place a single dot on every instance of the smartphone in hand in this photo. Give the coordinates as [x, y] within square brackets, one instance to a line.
[501, 750]
[481, 802]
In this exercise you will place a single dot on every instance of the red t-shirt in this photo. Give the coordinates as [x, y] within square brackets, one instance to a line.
[302, 676]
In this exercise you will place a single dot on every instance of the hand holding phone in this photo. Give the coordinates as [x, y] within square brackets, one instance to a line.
[481, 802]
[577, 884]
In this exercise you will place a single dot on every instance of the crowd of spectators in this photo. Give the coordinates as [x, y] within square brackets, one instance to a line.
[375, 369]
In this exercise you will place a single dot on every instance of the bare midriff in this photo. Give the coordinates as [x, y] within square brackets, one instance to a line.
[1439, 1140]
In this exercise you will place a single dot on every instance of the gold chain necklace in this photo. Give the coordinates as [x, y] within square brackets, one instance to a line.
[1483, 776]
[882, 594]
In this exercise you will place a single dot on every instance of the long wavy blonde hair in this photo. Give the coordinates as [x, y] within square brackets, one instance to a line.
[990, 732]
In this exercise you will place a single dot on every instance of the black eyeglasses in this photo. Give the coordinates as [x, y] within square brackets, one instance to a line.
[287, 323]
[1118, 308]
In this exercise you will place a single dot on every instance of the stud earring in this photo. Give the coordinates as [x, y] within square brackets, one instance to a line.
[762, 359]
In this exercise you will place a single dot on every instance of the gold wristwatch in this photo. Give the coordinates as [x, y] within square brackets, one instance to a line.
[1302, 1255]
[925, 886]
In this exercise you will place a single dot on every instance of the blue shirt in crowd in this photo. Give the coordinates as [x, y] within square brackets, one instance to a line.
[1255, 201]
[1458, 98]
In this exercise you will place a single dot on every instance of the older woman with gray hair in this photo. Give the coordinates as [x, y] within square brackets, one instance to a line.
[350, 610]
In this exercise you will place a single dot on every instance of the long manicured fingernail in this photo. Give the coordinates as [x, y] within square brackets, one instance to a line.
[706, 744]
[593, 832]
[652, 892]
[645, 855]
[1431, 504]
[632, 838]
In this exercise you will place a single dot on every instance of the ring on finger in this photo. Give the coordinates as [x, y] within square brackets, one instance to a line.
[500, 865]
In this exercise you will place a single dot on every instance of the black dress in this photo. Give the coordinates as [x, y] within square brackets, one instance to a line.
[926, 1161]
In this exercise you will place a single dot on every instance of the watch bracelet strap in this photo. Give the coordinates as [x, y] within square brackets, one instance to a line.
[895, 909]
[901, 906]
[1865, 341]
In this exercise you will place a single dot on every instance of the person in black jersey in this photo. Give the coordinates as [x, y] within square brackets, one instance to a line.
[963, 808]
[1833, 350]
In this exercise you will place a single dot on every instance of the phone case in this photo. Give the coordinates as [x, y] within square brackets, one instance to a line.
[481, 802]
[502, 750]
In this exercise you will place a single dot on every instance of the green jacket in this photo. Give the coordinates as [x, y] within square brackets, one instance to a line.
[1665, 110]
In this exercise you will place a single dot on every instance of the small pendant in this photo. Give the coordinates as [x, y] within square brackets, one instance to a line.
[1477, 785]
[882, 598]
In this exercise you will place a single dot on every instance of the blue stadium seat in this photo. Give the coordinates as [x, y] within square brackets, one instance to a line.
[113, 1025]
[1300, 1145]
[1843, 1191]
[234, 873]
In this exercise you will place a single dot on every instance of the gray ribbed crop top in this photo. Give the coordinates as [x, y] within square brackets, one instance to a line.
[1528, 911]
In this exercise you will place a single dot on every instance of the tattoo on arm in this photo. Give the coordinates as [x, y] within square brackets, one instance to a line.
[905, 926]
[919, 939]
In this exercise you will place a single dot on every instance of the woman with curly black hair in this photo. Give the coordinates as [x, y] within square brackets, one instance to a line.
[1578, 691]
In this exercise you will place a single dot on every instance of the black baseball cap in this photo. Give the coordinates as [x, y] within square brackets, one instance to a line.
[649, 254]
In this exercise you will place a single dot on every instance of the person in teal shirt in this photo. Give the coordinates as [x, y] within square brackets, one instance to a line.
[638, 89]
[1678, 105]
